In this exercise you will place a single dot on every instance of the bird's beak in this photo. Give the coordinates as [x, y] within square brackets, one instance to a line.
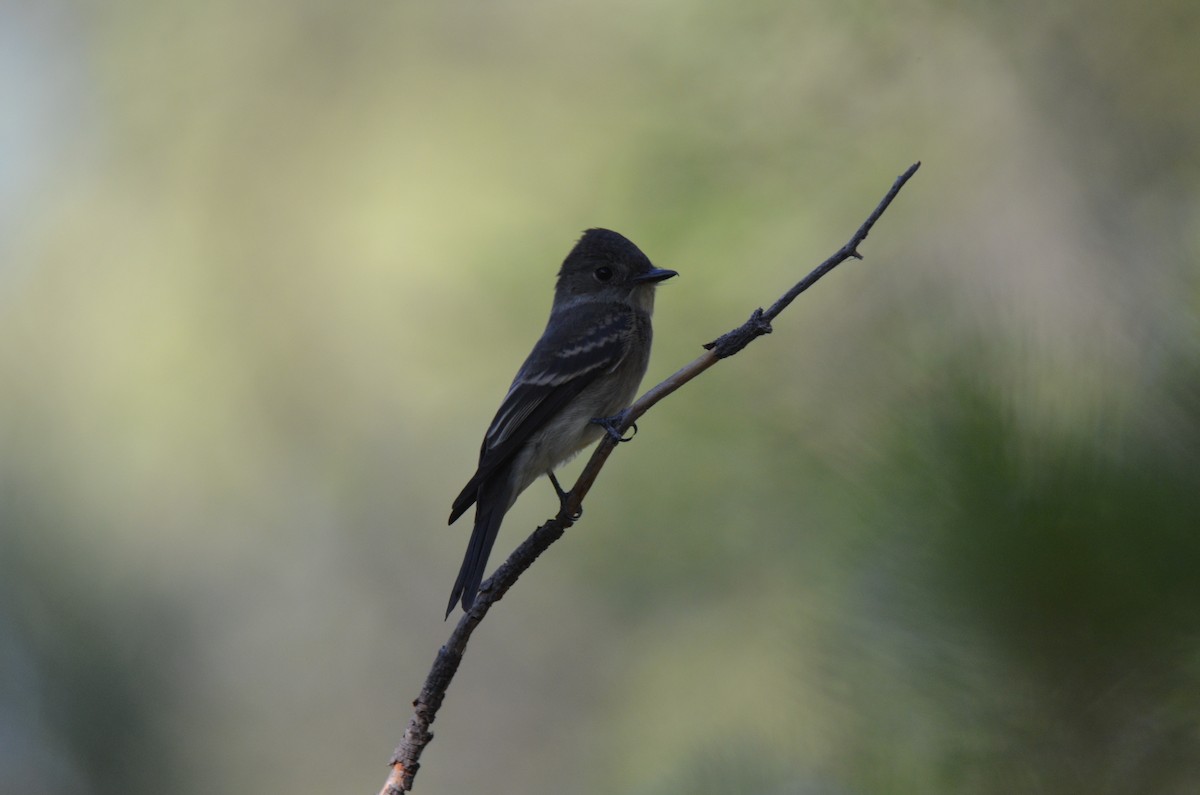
[654, 275]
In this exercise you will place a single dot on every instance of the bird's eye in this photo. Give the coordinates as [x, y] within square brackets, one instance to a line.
[603, 273]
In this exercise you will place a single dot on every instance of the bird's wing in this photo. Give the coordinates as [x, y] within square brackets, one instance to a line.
[567, 358]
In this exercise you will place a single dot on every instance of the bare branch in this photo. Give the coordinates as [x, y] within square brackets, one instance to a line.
[405, 760]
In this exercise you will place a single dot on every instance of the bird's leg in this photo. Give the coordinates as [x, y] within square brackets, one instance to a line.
[563, 496]
[610, 425]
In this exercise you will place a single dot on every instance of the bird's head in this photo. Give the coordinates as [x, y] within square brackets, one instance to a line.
[607, 266]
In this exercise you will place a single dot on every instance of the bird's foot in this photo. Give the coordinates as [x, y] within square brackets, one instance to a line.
[563, 498]
[611, 424]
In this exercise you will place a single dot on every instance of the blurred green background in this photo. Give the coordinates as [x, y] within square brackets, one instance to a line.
[266, 270]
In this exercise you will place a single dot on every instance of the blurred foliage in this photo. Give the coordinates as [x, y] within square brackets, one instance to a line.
[266, 270]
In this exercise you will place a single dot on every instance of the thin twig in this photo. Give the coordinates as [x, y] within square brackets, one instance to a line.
[406, 758]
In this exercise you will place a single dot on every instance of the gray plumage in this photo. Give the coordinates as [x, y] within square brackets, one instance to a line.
[587, 365]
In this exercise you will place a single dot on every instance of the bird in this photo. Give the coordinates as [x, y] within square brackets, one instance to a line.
[571, 390]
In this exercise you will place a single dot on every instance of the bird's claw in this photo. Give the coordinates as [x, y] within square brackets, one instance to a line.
[563, 498]
[610, 425]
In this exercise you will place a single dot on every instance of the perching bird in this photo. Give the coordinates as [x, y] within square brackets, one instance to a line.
[581, 374]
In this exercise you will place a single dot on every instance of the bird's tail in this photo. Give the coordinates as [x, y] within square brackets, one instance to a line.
[493, 503]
